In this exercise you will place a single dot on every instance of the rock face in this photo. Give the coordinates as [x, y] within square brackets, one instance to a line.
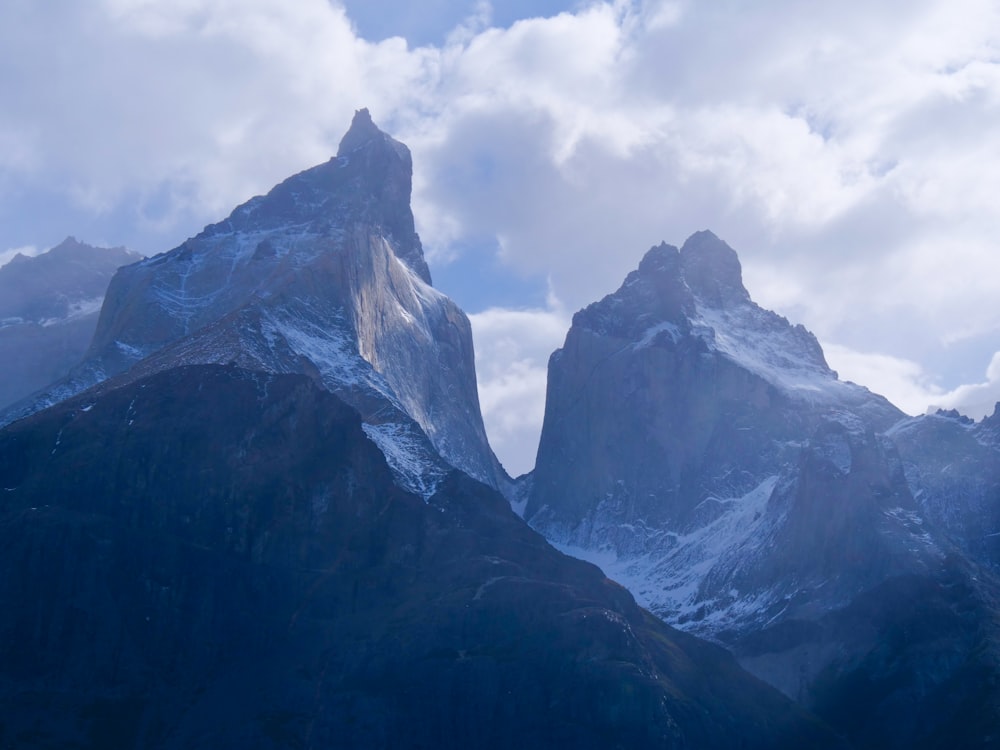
[323, 276]
[700, 449]
[49, 306]
[216, 557]
[953, 468]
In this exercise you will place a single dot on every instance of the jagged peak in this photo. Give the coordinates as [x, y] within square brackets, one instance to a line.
[369, 181]
[712, 270]
[363, 130]
[659, 258]
[70, 241]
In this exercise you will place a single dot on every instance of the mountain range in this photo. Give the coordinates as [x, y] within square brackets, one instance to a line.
[262, 511]
[49, 306]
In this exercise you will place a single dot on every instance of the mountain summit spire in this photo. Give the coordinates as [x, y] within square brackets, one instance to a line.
[323, 275]
[361, 132]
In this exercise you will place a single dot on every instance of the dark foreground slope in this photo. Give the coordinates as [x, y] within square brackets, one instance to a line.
[218, 558]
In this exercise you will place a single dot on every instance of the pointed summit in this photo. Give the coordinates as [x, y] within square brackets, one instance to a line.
[362, 131]
[325, 276]
[712, 270]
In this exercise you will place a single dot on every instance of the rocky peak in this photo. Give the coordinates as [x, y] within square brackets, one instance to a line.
[712, 270]
[363, 130]
[369, 182]
[324, 275]
[708, 459]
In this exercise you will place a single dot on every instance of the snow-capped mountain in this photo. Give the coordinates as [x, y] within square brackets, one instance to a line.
[49, 306]
[699, 449]
[325, 276]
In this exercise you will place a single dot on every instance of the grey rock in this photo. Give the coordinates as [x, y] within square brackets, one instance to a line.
[49, 305]
[324, 276]
[702, 451]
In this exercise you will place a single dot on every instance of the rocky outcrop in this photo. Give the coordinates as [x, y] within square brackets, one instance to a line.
[221, 558]
[323, 276]
[952, 465]
[49, 306]
[701, 450]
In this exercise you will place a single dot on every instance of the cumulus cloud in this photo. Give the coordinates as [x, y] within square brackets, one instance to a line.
[512, 353]
[904, 382]
[976, 400]
[185, 108]
[846, 151]
[908, 385]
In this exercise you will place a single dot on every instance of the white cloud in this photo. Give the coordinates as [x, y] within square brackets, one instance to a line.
[846, 151]
[512, 353]
[907, 384]
[976, 400]
[902, 381]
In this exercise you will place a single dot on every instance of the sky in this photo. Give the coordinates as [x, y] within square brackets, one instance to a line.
[849, 152]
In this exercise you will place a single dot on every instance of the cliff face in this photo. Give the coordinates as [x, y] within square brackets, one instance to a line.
[218, 557]
[324, 276]
[700, 449]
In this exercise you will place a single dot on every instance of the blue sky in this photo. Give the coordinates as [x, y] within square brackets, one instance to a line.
[431, 21]
[848, 152]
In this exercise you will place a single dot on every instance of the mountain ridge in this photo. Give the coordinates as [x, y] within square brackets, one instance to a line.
[322, 275]
[700, 449]
[49, 306]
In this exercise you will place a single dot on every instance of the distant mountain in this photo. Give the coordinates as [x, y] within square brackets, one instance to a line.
[952, 466]
[49, 306]
[323, 276]
[217, 557]
[700, 449]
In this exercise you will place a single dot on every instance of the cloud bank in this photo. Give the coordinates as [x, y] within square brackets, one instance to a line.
[846, 152]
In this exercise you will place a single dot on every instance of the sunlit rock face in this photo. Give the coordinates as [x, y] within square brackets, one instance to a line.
[49, 305]
[217, 557]
[324, 276]
[700, 449]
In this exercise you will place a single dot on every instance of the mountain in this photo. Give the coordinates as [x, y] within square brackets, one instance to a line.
[702, 451]
[323, 276]
[217, 557]
[952, 465]
[262, 513]
[49, 306]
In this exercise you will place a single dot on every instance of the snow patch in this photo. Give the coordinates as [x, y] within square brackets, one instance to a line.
[406, 453]
[79, 309]
[669, 579]
[768, 346]
[654, 331]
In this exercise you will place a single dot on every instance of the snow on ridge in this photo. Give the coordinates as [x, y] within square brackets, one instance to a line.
[329, 347]
[653, 332]
[670, 579]
[413, 466]
[774, 353]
